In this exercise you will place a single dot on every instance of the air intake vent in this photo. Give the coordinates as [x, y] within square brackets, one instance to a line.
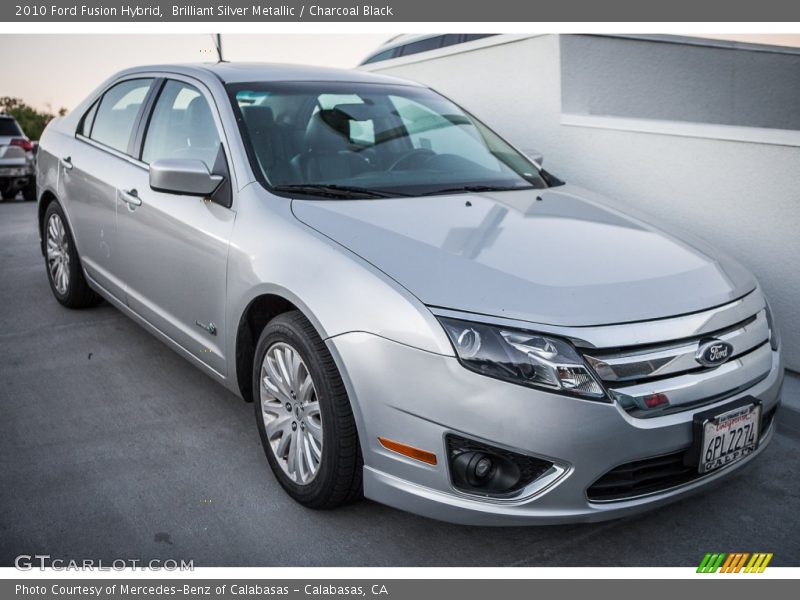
[652, 475]
[642, 477]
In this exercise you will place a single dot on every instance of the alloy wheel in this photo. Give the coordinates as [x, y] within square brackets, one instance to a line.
[58, 253]
[291, 413]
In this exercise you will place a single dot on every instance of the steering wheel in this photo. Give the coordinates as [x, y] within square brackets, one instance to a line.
[411, 159]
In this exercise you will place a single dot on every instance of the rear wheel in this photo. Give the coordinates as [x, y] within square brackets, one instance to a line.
[304, 416]
[63, 265]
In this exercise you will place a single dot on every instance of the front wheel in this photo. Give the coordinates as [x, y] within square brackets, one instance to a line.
[304, 415]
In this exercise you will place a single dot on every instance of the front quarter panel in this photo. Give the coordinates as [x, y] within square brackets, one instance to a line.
[271, 252]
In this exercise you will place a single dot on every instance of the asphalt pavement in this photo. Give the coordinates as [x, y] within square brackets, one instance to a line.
[112, 446]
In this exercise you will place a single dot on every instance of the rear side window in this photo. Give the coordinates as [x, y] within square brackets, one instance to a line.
[182, 126]
[117, 112]
[9, 127]
[87, 121]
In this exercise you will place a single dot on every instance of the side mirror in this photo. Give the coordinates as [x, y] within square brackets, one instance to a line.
[533, 155]
[185, 176]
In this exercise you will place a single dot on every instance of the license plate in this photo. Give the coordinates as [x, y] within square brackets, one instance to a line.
[12, 172]
[729, 437]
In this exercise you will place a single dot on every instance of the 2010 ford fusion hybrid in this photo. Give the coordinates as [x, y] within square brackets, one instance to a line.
[419, 312]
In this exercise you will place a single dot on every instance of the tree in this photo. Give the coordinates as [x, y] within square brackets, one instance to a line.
[31, 120]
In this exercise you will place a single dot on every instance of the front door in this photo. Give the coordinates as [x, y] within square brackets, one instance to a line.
[175, 248]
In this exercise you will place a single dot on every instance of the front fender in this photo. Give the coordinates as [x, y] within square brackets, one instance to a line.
[271, 252]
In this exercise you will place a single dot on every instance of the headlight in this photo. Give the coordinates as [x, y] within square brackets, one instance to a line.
[774, 336]
[522, 357]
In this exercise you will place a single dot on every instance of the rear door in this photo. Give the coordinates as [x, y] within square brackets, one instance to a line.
[87, 176]
[175, 248]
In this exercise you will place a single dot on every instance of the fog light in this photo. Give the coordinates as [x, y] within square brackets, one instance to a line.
[485, 470]
[483, 467]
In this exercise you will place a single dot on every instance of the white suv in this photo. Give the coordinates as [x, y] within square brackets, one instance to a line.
[17, 161]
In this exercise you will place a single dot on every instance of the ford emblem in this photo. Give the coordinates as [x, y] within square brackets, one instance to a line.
[712, 353]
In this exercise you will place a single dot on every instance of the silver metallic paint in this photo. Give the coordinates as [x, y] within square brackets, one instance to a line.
[363, 271]
[190, 177]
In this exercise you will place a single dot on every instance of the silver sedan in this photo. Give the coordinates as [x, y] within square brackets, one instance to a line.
[419, 311]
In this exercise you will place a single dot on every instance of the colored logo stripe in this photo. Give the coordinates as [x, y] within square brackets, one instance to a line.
[711, 563]
[758, 563]
[734, 562]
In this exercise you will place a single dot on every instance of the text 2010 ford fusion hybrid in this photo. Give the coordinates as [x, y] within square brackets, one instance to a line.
[419, 312]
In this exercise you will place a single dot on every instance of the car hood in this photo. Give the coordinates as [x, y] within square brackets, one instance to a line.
[560, 256]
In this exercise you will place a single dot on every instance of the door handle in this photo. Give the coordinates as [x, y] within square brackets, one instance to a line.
[131, 197]
[66, 162]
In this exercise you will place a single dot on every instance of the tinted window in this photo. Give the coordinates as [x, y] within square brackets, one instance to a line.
[182, 126]
[440, 41]
[469, 37]
[9, 127]
[421, 46]
[385, 55]
[451, 39]
[86, 124]
[117, 113]
[393, 139]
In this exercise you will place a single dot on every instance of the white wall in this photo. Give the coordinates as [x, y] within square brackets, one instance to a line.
[743, 197]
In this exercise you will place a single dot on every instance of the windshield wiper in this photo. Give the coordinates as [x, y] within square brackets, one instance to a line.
[333, 190]
[478, 189]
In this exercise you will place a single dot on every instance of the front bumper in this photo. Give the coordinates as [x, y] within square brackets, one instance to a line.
[418, 397]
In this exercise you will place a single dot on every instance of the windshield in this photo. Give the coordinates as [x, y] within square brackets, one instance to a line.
[357, 140]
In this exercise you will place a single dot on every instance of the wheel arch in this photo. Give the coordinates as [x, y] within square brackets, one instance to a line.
[47, 198]
[259, 311]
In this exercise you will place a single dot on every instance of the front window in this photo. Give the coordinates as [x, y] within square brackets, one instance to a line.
[182, 126]
[356, 140]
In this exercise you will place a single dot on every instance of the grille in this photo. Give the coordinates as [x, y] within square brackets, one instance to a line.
[642, 477]
[639, 364]
[656, 379]
[652, 475]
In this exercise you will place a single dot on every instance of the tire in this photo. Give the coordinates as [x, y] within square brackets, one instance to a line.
[69, 287]
[339, 464]
[29, 191]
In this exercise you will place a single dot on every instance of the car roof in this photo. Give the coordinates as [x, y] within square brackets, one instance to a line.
[248, 72]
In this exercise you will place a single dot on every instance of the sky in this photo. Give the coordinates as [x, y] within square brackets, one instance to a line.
[51, 71]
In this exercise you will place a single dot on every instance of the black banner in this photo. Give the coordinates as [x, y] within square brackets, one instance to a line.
[730, 588]
[399, 11]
